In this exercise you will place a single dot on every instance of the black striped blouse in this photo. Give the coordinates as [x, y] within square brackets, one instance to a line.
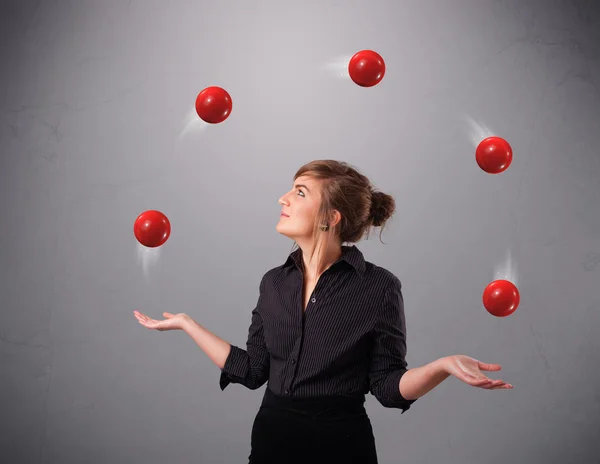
[351, 340]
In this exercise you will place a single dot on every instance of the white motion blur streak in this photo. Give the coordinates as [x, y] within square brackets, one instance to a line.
[339, 67]
[192, 124]
[477, 131]
[147, 257]
[507, 271]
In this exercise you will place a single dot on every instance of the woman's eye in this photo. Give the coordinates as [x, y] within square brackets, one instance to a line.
[300, 192]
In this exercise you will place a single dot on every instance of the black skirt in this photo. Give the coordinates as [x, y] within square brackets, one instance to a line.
[326, 430]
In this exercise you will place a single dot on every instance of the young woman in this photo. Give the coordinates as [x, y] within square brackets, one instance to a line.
[328, 328]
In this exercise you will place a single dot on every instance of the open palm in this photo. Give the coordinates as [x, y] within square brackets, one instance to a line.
[469, 370]
[171, 321]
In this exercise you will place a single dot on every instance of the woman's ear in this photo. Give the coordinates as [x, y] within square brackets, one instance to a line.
[336, 217]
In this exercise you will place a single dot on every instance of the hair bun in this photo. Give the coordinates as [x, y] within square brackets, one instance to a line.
[382, 208]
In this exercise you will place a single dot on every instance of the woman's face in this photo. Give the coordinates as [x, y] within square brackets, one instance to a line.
[299, 208]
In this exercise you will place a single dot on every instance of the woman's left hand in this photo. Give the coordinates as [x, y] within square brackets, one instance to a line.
[469, 370]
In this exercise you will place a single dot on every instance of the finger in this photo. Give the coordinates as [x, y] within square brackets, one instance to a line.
[168, 315]
[493, 384]
[500, 384]
[477, 381]
[489, 367]
[149, 323]
[488, 383]
[145, 318]
[505, 386]
[483, 380]
[140, 316]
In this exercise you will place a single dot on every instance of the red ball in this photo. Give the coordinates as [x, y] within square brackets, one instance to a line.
[152, 228]
[366, 68]
[213, 105]
[494, 155]
[501, 298]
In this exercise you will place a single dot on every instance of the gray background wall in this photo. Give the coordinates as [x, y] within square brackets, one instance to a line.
[97, 125]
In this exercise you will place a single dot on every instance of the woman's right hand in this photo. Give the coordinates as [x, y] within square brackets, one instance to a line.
[172, 321]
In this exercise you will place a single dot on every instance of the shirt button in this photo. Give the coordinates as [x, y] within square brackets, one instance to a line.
[287, 392]
[293, 361]
[314, 300]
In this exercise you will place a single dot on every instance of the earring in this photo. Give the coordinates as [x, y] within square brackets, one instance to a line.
[324, 228]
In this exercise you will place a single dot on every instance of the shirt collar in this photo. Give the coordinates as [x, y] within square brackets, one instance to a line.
[351, 254]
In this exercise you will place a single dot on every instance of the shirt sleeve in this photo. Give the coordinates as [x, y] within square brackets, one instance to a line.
[388, 363]
[249, 367]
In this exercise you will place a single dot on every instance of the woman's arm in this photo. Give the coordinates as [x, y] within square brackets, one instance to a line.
[249, 367]
[216, 348]
[418, 381]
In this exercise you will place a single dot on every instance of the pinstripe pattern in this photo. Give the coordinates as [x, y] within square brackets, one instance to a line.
[351, 340]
